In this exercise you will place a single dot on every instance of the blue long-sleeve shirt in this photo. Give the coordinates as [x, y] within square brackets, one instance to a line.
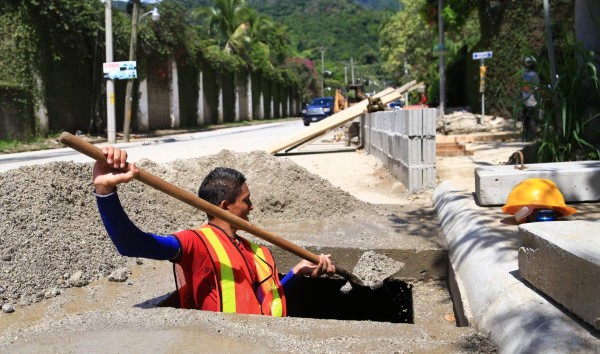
[130, 241]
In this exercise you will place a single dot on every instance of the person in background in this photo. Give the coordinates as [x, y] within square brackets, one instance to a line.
[529, 98]
[423, 99]
[216, 270]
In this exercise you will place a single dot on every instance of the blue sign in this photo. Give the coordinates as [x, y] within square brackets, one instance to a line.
[482, 55]
[120, 70]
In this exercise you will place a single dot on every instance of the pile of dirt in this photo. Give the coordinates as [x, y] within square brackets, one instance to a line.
[53, 237]
[463, 122]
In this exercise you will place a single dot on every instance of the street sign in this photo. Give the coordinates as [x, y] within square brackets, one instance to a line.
[482, 55]
[439, 50]
[120, 70]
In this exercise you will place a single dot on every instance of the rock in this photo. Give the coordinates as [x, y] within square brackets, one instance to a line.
[119, 275]
[7, 257]
[77, 279]
[8, 308]
[37, 297]
[51, 293]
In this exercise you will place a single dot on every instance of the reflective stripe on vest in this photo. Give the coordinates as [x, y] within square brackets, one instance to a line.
[266, 275]
[225, 278]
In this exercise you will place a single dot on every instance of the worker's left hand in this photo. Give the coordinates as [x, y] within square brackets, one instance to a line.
[325, 266]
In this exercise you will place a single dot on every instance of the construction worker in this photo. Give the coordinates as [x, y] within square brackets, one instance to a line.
[529, 93]
[536, 199]
[216, 270]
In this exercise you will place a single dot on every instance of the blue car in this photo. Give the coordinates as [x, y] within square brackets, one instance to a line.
[317, 110]
[396, 105]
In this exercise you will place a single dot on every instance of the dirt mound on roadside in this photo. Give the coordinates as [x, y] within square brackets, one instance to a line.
[53, 238]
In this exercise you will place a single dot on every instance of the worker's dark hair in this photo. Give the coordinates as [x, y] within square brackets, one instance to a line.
[221, 184]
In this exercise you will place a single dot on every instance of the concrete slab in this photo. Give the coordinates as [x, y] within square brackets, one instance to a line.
[483, 252]
[578, 181]
[562, 260]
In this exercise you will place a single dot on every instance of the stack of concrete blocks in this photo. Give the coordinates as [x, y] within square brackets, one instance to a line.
[404, 141]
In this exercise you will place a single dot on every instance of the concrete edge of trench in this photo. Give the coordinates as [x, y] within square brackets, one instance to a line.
[483, 255]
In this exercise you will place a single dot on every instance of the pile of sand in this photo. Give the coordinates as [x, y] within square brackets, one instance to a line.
[53, 238]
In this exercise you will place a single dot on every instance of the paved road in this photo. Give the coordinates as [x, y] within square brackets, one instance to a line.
[169, 148]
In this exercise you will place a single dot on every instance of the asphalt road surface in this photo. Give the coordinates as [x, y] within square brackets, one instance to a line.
[169, 148]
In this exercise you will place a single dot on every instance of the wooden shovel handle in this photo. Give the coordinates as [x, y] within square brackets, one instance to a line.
[96, 153]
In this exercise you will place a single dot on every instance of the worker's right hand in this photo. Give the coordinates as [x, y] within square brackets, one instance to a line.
[107, 175]
[312, 270]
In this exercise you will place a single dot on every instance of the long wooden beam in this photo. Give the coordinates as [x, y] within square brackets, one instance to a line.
[388, 95]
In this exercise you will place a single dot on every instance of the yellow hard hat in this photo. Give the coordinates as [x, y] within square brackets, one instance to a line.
[534, 193]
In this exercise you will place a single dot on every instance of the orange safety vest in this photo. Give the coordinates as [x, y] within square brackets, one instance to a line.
[235, 289]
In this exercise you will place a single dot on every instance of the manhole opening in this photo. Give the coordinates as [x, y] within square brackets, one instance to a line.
[323, 298]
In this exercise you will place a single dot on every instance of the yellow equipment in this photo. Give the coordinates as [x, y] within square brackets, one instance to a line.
[535, 193]
[339, 103]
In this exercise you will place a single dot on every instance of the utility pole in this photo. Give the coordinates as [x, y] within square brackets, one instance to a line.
[345, 73]
[352, 69]
[132, 57]
[553, 75]
[110, 85]
[441, 47]
[322, 71]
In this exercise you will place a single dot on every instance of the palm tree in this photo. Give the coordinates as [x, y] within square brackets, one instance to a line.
[224, 18]
[241, 30]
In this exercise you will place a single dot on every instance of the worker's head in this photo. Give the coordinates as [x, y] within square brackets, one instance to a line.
[536, 199]
[227, 189]
[529, 62]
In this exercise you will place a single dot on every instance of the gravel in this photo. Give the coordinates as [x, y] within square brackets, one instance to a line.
[53, 238]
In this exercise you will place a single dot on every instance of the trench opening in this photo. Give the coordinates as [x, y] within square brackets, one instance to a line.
[322, 298]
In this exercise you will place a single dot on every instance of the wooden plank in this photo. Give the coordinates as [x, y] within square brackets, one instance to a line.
[388, 95]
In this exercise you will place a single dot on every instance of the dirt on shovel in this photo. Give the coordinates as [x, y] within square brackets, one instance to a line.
[374, 269]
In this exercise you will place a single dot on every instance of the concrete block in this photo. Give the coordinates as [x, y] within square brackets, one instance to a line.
[425, 122]
[425, 152]
[562, 260]
[396, 149]
[578, 181]
[377, 139]
[415, 179]
[387, 122]
[430, 131]
[392, 118]
[415, 153]
[429, 148]
[404, 149]
[429, 176]
[389, 144]
[402, 174]
[414, 123]
[401, 122]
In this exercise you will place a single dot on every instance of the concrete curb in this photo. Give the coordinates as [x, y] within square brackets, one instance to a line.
[484, 255]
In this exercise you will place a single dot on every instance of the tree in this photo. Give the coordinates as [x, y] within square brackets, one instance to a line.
[224, 19]
[406, 42]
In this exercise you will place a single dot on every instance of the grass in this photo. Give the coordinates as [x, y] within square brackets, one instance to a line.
[10, 146]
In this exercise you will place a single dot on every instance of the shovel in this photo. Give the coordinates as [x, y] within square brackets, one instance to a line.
[199, 203]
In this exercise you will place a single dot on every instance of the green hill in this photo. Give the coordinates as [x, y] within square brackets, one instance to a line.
[346, 28]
